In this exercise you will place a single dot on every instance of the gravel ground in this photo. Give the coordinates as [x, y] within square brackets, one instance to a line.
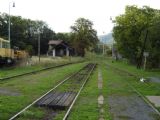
[4, 91]
[154, 79]
[130, 107]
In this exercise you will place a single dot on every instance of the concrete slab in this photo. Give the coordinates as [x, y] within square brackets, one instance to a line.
[100, 100]
[155, 100]
[100, 80]
[100, 97]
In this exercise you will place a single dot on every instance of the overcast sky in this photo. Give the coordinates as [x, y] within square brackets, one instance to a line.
[61, 14]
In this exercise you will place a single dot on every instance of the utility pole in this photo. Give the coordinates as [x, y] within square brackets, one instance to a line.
[9, 28]
[103, 43]
[103, 48]
[39, 44]
[9, 24]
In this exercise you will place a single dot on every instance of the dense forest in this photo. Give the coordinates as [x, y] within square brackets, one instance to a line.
[138, 31]
[24, 34]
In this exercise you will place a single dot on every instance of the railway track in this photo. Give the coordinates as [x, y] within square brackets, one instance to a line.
[63, 96]
[134, 89]
[36, 71]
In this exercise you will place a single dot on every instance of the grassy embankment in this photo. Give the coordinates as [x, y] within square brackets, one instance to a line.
[23, 90]
[86, 106]
[146, 88]
[114, 83]
[45, 62]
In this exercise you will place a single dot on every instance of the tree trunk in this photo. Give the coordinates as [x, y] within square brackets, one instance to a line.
[139, 64]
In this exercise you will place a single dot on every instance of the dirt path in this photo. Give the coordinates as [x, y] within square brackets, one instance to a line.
[100, 97]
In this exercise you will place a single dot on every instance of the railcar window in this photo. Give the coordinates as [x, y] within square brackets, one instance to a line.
[5, 45]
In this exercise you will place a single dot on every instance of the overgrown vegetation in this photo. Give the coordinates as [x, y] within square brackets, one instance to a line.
[24, 34]
[115, 83]
[83, 35]
[24, 90]
[137, 31]
[35, 65]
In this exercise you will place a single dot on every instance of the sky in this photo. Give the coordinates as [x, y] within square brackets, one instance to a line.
[61, 14]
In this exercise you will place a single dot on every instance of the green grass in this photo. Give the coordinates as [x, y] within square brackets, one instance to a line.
[30, 88]
[113, 84]
[146, 88]
[33, 113]
[131, 68]
[45, 62]
[6, 72]
[86, 107]
[105, 90]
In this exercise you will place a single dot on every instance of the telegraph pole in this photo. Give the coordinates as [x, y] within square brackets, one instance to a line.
[39, 45]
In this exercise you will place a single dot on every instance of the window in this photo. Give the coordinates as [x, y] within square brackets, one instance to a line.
[5, 45]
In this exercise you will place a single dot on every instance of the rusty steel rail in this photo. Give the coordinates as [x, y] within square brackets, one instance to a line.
[71, 106]
[124, 71]
[27, 107]
[58, 85]
[36, 71]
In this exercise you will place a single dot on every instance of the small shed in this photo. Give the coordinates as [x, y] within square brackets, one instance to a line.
[58, 48]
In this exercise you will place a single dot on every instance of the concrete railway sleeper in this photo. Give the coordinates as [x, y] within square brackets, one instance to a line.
[62, 97]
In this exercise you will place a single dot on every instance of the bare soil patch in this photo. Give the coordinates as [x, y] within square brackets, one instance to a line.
[5, 91]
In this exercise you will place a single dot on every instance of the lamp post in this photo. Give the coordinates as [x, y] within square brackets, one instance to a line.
[39, 43]
[9, 24]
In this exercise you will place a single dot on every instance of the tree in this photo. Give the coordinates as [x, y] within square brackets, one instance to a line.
[63, 36]
[132, 32]
[23, 33]
[84, 37]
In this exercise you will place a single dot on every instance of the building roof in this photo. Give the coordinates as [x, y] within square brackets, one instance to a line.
[1, 39]
[55, 42]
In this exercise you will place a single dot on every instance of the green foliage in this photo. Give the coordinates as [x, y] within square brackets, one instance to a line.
[130, 34]
[29, 49]
[31, 88]
[24, 32]
[63, 36]
[84, 37]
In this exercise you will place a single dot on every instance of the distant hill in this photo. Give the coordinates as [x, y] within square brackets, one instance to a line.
[107, 39]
